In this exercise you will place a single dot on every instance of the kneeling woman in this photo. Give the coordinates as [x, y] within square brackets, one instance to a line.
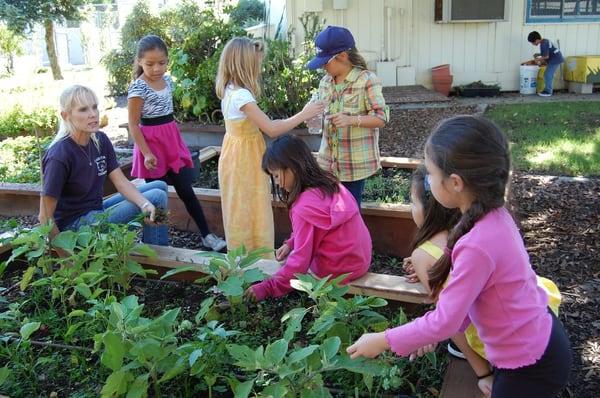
[329, 237]
[75, 167]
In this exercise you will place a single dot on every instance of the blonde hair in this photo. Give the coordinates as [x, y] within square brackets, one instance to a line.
[70, 98]
[356, 59]
[240, 64]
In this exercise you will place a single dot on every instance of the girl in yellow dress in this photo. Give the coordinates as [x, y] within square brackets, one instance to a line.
[245, 197]
[435, 222]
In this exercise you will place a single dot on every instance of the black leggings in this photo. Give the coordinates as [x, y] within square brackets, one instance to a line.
[545, 378]
[182, 182]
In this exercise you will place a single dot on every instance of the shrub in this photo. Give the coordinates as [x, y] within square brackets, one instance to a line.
[19, 159]
[18, 122]
[201, 37]
[287, 83]
[247, 13]
[119, 63]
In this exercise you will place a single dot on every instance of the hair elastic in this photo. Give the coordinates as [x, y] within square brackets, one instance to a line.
[447, 251]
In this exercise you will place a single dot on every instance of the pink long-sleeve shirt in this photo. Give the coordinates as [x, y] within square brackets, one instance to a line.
[329, 237]
[493, 286]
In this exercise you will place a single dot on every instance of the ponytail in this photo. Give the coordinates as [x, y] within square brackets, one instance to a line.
[356, 59]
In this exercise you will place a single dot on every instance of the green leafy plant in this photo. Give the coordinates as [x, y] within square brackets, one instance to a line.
[280, 371]
[141, 352]
[17, 122]
[333, 314]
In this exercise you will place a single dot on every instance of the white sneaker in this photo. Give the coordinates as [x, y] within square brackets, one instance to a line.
[214, 242]
[544, 94]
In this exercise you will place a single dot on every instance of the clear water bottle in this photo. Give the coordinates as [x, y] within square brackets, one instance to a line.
[315, 124]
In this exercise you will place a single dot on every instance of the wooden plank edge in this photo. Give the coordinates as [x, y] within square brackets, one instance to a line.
[386, 286]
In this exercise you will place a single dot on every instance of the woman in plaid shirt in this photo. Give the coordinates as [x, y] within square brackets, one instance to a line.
[357, 110]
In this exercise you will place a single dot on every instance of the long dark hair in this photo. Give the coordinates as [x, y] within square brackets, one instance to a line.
[290, 152]
[147, 43]
[475, 149]
[436, 218]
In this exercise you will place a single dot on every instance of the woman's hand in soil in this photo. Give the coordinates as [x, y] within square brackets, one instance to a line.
[150, 161]
[150, 212]
[369, 345]
[485, 385]
[422, 351]
[249, 295]
[282, 253]
[312, 109]
[341, 120]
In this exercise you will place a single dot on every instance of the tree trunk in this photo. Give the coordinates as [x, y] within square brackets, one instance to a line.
[51, 49]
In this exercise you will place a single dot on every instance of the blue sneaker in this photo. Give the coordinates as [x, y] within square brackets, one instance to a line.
[545, 94]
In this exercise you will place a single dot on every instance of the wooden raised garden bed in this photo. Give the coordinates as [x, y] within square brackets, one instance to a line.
[390, 224]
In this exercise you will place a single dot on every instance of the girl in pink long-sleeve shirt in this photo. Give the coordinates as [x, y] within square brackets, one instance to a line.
[491, 282]
[329, 236]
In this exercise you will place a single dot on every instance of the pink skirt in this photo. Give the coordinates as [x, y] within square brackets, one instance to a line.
[167, 146]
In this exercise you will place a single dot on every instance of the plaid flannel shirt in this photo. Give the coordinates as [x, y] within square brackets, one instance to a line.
[352, 153]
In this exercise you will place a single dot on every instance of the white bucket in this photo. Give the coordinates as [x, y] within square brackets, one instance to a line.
[528, 78]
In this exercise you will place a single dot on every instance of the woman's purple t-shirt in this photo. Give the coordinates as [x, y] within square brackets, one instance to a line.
[76, 184]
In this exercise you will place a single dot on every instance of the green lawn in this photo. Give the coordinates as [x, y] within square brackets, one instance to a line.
[558, 138]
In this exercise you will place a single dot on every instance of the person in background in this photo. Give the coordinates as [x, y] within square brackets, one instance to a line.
[550, 56]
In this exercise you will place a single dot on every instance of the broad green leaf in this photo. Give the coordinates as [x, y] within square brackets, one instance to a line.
[4, 373]
[362, 365]
[144, 250]
[75, 313]
[116, 384]
[300, 354]
[179, 270]
[232, 286]
[27, 278]
[139, 387]
[135, 268]
[244, 356]
[254, 275]
[84, 238]
[84, 290]
[295, 318]
[114, 351]
[244, 389]
[204, 309]
[176, 369]
[194, 356]
[275, 352]
[330, 347]
[28, 329]
[277, 390]
[71, 330]
[66, 240]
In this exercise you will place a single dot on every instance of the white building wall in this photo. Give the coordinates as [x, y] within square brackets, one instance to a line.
[486, 51]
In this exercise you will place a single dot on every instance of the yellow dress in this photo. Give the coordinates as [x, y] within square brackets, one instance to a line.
[245, 188]
[554, 298]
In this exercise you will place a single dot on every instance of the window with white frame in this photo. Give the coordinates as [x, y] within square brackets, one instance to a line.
[563, 10]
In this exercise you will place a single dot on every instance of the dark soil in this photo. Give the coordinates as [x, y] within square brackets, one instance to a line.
[560, 221]
[406, 132]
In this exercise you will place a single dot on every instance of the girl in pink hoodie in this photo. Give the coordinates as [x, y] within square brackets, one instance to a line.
[329, 236]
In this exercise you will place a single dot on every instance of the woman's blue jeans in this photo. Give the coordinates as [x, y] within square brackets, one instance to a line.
[121, 211]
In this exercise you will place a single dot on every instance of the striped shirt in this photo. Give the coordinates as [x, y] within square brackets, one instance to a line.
[352, 153]
[156, 103]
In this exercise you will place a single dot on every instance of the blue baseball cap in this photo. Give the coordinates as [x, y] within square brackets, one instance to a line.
[330, 42]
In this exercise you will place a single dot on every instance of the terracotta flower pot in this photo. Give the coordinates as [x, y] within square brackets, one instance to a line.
[440, 70]
[442, 84]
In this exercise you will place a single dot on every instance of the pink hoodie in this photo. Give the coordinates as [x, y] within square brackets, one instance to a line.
[329, 237]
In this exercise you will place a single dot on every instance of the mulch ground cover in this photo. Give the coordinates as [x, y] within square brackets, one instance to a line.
[405, 134]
